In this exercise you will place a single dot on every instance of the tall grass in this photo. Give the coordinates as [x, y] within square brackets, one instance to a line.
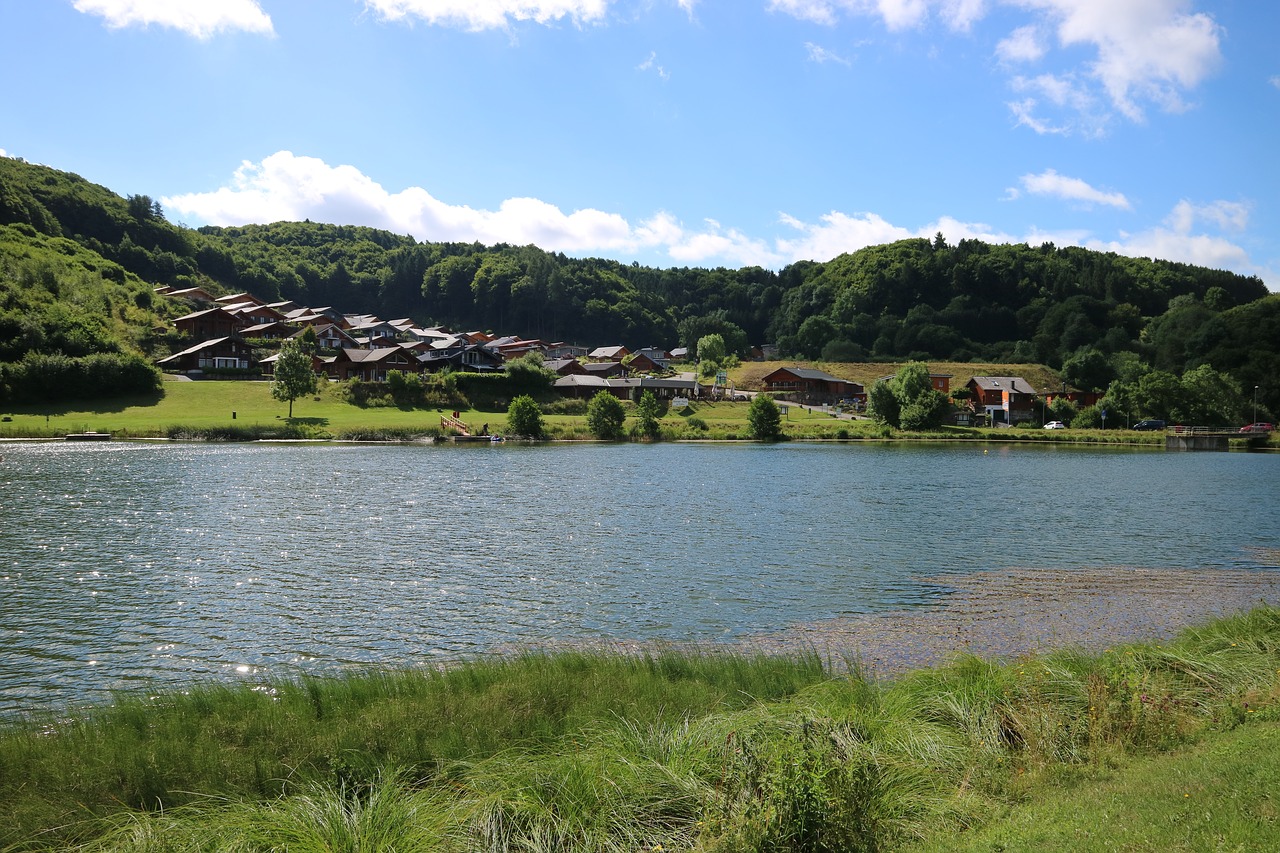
[605, 752]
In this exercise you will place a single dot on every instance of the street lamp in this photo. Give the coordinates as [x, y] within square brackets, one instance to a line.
[1255, 404]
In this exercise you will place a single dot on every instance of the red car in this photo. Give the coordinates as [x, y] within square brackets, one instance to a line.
[1258, 427]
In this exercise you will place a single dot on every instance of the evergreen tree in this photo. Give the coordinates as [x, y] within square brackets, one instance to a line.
[647, 413]
[764, 419]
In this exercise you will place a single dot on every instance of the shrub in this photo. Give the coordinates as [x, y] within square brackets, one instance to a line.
[524, 418]
[764, 420]
[605, 416]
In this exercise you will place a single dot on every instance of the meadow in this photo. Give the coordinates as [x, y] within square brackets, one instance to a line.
[1143, 746]
[245, 410]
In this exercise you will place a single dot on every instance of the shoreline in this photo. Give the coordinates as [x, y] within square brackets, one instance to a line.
[1011, 613]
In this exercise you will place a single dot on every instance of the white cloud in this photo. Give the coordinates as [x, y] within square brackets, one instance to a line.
[1022, 45]
[1275, 81]
[821, 55]
[1226, 215]
[1144, 51]
[479, 15]
[837, 233]
[817, 11]
[1050, 183]
[1067, 96]
[287, 187]
[1166, 244]
[961, 15]
[199, 18]
[726, 247]
[651, 64]
[1023, 111]
[1147, 50]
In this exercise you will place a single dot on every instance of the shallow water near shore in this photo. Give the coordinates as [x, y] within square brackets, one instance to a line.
[137, 566]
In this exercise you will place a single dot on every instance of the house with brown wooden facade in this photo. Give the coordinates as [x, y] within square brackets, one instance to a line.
[230, 352]
[209, 324]
[806, 385]
[1003, 399]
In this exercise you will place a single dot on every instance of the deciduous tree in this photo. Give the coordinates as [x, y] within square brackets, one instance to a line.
[524, 418]
[293, 376]
[605, 416]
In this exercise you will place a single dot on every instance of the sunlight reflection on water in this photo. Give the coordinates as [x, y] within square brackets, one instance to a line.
[170, 562]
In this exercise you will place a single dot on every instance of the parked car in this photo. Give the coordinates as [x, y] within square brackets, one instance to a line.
[1055, 425]
[1149, 424]
[1261, 426]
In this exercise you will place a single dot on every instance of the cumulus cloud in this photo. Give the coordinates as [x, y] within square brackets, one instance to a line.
[837, 233]
[288, 187]
[1275, 81]
[285, 186]
[198, 18]
[1050, 183]
[1143, 52]
[1153, 50]
[479, 15]
[1200, 249]
[1225, 215]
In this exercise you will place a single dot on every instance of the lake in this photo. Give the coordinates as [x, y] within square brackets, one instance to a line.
[127, 566]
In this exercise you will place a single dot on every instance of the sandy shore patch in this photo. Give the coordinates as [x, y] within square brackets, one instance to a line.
[1006, 614]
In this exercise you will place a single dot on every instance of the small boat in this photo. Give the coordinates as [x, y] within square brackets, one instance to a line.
[88, 436]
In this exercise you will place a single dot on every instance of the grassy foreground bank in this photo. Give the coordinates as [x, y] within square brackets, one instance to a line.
[676, 750]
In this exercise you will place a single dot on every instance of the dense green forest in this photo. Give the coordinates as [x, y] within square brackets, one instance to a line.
[78, 265]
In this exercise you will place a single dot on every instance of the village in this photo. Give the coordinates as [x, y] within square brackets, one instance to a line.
[229, 333]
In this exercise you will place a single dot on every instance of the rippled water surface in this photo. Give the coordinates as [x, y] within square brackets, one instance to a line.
[125, 565]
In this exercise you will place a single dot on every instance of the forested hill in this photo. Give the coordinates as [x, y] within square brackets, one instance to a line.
[911, 299]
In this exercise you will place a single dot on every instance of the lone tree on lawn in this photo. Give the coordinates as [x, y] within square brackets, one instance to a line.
[293, 376]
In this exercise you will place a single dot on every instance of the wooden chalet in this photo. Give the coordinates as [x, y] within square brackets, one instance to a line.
[273, 331]
[371, 365]
[209, 324]
[609, 353]
[471, 358]
[230, 352]
[806, 385]
[565, 366]
[331, 337]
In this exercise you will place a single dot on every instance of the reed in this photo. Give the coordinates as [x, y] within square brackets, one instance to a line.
[600, 751]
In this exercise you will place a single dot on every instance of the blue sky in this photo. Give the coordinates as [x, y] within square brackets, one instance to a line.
[674, 132]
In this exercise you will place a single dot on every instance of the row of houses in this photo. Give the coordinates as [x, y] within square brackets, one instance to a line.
[990, 399]
[226, 330]
[360, 346]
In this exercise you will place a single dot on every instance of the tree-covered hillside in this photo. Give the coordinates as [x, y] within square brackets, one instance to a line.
[78, 263]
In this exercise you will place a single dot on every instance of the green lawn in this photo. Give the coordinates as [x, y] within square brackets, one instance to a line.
[1220, 794]
[243, 404]
[247, 406]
